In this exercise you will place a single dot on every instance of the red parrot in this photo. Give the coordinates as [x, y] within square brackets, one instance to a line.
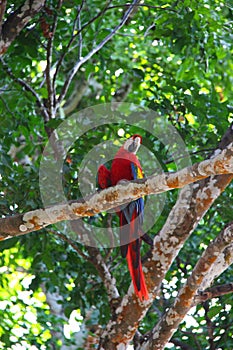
[126, 166]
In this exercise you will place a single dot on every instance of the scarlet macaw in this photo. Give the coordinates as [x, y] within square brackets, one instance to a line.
[126, 166]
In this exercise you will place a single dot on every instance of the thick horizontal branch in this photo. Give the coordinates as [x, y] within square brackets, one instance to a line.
[116, 196]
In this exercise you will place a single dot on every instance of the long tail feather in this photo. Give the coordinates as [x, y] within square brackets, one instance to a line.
[129, 233]
[137, 276]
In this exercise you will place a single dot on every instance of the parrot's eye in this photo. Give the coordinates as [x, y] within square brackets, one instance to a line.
[136, 136]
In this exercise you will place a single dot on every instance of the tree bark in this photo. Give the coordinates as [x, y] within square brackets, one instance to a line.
[16, 21]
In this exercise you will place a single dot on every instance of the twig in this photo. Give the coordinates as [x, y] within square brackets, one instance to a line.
[71, 243]
[194, 336]
[190, 154]
[96, 259]
[213, 292]
[210, 326]
[182, 345]
[26, 86]
[144, 5]
[7, 107]
[50, 86]
[61, 59]
[80, 33]
[93, 20]
[51, 96]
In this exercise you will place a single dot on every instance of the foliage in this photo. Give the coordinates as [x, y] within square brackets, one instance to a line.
[174, 57]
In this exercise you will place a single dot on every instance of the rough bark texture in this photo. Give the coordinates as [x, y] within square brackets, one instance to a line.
[184, 301]
[16, 21]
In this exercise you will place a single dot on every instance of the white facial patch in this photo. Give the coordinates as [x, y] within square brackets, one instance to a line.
[133, 143]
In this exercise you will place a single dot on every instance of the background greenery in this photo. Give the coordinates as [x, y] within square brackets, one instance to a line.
[174, 57]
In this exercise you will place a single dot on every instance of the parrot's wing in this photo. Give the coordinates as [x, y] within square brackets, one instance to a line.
[103, 177]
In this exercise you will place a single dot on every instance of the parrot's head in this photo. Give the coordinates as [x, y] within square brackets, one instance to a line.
[133, 143]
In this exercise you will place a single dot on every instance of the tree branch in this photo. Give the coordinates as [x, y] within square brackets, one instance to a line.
[80, 88]
[220, 265]
[27, 87]
[80, 62]
[104, 272]
[114, 196]
[17, 21]
[214, 292]
[49, 53]
[181, 344]
[67, 48]
[80, 48]
[96, 259]
[167, 325]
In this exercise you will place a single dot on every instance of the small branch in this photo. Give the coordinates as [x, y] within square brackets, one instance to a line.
[62, 56]
[95, 258]
[104, 272]
[94, 51]
[181, 344]
[210, 326]
[173, 159]
[10, 112]
[93, 20]
[80, 33]
[144, 5]
[71, 243]
[50, 85]
[79, 89]
[51, 96]
[26, 86]
[214, 292]
[195, 338]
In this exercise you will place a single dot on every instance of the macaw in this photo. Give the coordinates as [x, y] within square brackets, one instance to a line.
[126, 166]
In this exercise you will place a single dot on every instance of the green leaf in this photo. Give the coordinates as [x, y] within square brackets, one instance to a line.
[214, 311]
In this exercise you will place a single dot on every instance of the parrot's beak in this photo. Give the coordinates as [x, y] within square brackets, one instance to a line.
[133, 148]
